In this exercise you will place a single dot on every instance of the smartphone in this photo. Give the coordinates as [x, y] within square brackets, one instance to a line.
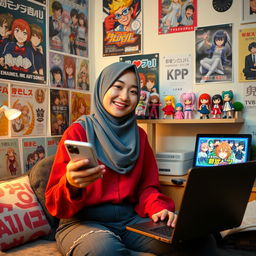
[78, 150]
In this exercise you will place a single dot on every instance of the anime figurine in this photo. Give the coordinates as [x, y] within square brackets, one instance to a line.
[217, 104]
[250, 63]
[141, 107]
[11, 161]
[188, 100]
[122, 17]
[178, 111]
[217, 55]
[171, 17]
[204, 103]
[37, 49]
[69, 71]
[82, 76]
[223, 151]
[81, 39]
[227, 97]
[154, 103]
[17, 56]
[169, 106]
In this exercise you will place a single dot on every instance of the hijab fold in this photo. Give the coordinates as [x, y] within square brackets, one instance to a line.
[116, 140]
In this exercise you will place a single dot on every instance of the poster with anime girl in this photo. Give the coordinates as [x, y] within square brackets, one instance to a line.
[59, 105]
[3, 101]
[214, 54]
[68, 26]
[148, 67]
[56, 69]
[80, 105]
[33, 150]
[23, 41]
[69, 72]
[51, 145]
[122, 27]
[32, 102]
[10, 158]
[176, 16]
[83, 82]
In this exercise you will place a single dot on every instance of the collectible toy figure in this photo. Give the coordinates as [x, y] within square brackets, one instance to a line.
[169, 106]
[142, 105]
[154, 103]
[178, 111]
[227, 106]
[204, 103]
[217, 104]
[188, 101]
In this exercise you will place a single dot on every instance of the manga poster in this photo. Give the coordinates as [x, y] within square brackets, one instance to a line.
[23, 41]
[83, 82]
[148, 67]
[176, 16]
[56, 61]
[122, 27]
[247, 55]
[68, 26]
[32, 102]
[10, 158]
[214, 54]
[51, 145]
[177, 76]
[59, 104]
[3, 101]
[33, 151]
[80, 105]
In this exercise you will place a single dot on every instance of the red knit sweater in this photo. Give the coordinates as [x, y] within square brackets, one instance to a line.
[140, 186]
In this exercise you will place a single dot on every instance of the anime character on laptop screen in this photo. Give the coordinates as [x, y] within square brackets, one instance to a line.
[221, 149]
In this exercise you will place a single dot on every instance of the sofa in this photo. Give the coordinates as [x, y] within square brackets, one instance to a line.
[27, 228]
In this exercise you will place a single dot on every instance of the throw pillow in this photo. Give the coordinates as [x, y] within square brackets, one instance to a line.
[22, 218]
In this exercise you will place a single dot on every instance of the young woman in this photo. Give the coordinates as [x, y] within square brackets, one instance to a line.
[96, 204]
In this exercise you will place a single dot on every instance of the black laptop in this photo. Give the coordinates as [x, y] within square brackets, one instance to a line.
[214, 200]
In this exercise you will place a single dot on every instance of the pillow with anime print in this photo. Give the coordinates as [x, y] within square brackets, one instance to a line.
[22, 218]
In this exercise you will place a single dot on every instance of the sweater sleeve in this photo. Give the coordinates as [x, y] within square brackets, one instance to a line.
[151, 200]
[58, 199]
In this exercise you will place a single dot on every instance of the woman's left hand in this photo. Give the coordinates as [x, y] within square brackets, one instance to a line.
[165, 214]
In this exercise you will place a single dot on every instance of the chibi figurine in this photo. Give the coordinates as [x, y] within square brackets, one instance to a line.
[154, 103]
[217, 104]
[169, 106]
[178, 111]
[204, 103]
[227, 104]
[142, 105]
[188, 100]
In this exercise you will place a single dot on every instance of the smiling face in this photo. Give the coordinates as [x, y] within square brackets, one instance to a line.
[124, 15]
[121, 98]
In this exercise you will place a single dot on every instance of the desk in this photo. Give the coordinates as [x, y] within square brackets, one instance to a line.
[176, 191]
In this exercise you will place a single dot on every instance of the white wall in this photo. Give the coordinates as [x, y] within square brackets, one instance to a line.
[170, 137]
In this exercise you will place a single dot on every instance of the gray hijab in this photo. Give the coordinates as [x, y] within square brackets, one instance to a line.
[116, 140]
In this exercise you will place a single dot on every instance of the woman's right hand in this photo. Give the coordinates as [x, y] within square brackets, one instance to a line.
[81, 178]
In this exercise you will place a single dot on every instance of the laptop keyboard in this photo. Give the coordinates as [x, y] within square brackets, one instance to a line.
[164, 230]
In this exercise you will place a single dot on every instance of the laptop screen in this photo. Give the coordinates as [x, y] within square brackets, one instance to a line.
[221, 149]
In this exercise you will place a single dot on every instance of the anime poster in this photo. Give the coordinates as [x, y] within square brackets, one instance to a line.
[33, 151]
[56, 61]
[83, 82]
[148, 67]
[247, 55]
[10, 158]
[214, 54]
[122, 27]
[23, 41]
[3, 101]
[51, 145]
[177, 76]
[32, 102]
[59, 104]
[80, 105]
[176, 16]
[68, 26]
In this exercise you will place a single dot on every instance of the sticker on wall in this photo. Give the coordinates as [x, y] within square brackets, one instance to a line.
[122, 27]
[176, 16]
[214, 54]
[23, 41]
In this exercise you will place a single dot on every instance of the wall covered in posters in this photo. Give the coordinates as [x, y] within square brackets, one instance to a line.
[44, 56]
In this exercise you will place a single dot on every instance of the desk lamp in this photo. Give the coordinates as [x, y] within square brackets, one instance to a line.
[10, 113]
